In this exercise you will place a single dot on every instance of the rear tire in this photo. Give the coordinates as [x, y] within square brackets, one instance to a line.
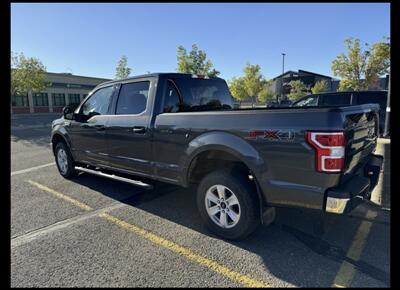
[64, 161]
[234, 215]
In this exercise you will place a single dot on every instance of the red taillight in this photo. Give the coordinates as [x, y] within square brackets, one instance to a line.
[330, 140]
[330, 150]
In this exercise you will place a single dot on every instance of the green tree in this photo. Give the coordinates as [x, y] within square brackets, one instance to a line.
[251, 84]
[361, 63]
[237, 89]
[195, 62]
[298, 89]
[122, 70]
[266, 94]
[320, 87]
[27, 74]
[253, 80]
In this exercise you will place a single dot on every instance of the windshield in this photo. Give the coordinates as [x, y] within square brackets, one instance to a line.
[204, 94]
[307, 102]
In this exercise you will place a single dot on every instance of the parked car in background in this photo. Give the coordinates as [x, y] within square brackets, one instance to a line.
[348, 98]
[281, 103]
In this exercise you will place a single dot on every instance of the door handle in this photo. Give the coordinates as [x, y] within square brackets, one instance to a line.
[139, 130]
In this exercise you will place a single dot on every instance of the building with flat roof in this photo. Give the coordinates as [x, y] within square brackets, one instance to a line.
[280, 84]
[63, 89]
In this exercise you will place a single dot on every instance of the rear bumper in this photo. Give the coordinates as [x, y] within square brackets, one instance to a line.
[345, 198]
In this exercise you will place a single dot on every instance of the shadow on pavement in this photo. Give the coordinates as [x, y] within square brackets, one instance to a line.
[289, 248]
[33, 136]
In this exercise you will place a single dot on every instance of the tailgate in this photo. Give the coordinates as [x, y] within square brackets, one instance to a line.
[361, 129]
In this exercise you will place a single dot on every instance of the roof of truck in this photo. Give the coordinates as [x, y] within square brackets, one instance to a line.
[157, 74]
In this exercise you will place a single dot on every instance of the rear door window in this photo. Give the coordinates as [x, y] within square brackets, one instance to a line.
[132, 98]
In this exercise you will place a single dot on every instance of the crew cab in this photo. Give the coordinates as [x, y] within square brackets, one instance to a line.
[184, 129]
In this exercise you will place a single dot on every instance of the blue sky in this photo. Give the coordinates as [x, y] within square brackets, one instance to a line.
[88, 39]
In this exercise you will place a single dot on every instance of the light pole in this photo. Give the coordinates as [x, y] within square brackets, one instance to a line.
[283, 71]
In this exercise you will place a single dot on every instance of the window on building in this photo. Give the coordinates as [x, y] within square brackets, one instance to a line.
[20, 101]
[74, 99]
[58, 99]
[40, 99]
[171, 100]
[133, 98]
[98, 103]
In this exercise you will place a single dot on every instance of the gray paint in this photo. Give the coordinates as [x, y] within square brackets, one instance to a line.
[284, 169]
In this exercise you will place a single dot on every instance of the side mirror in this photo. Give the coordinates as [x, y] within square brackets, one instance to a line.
[68, 113]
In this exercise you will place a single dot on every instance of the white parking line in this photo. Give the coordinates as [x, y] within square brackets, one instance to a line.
[32, 168]
[24, 127]
[33, 235]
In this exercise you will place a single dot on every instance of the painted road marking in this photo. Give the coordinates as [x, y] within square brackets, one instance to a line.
[183, 251]
[187, 253]
[346, 271]
[61, 195]
[31, 169]
[33, 235]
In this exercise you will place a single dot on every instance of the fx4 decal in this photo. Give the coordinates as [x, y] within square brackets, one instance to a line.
[272, 135]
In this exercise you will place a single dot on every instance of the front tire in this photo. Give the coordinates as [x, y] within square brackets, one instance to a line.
[228, 205]
[64, 161]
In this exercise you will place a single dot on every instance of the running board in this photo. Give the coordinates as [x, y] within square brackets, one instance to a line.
[115, 177]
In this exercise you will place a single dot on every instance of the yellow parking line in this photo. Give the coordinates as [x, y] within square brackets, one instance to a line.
[346, 271]
[61, 195]
[187, 253]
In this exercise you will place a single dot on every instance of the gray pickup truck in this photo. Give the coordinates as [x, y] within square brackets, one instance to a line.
[184, 129]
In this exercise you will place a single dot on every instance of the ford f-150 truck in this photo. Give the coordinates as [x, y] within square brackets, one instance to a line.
[184, 129]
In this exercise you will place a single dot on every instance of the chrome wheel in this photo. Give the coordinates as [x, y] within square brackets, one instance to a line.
[222, 206]
[62, 161]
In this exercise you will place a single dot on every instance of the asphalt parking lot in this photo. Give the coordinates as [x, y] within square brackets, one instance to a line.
[92, 231]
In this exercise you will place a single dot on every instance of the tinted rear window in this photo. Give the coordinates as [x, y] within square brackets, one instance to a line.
[204, 94]
[335, 100]
[372, 98]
